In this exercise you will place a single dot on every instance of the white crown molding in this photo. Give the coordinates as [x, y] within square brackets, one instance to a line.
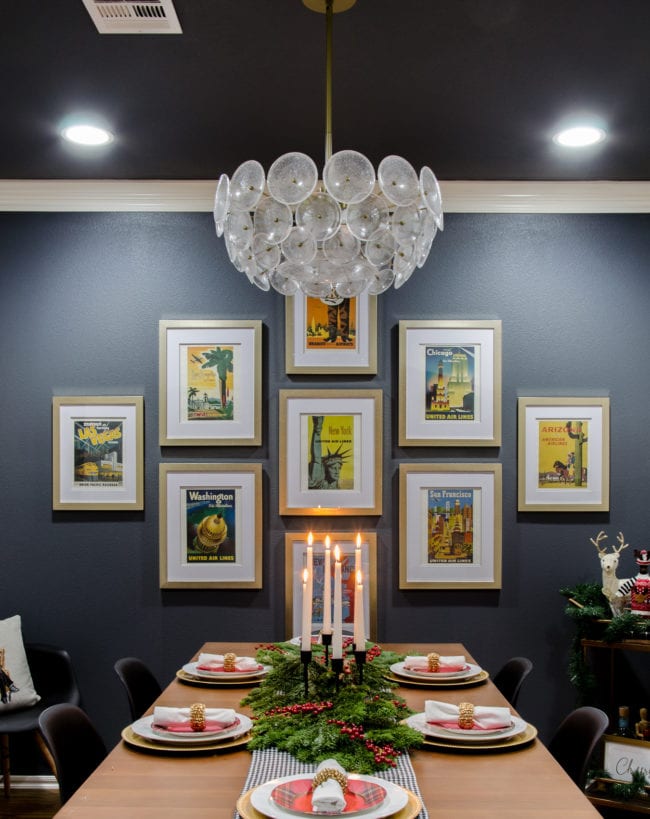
[198, 196]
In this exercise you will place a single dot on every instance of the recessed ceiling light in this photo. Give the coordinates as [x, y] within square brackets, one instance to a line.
[87, 135]
[580, 136]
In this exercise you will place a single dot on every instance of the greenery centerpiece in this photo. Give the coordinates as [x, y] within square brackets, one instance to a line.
[353, 718]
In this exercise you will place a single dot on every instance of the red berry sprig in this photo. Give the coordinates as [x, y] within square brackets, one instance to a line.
[382, 754]
[300, 708]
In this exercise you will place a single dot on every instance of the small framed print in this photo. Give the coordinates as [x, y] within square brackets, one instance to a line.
[210, 526]
[450, 383]
[366, 561]
[450, 526]
[331, 339]
[563, 455]
[97, 448]
[210, 383]
[330, 452]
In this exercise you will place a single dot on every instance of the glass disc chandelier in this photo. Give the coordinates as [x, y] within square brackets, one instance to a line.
[352, 231]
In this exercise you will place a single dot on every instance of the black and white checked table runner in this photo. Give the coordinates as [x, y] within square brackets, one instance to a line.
[272, 764]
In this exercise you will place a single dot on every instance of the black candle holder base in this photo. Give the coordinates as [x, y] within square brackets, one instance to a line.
[360, 659]
[305, 659]
[326, 640]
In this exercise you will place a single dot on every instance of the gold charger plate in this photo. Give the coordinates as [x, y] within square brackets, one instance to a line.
[188, 679]
[409, 811]
[131, 738]
[464, 682]
[510, 744]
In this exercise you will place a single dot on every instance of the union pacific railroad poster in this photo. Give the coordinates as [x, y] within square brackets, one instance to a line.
[98, 452]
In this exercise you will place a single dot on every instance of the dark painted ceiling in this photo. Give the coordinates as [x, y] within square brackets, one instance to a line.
[472, 88]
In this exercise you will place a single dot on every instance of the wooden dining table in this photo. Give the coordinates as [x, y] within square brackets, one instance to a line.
[136, 784]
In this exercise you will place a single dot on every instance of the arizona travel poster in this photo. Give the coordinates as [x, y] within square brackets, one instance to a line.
[450, 383]
[210, 524]
[98, 448]
[331, 327]
[450, 525]
[209, 387]
[563, 454]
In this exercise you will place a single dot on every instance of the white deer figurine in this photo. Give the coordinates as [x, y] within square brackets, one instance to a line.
[616, 591]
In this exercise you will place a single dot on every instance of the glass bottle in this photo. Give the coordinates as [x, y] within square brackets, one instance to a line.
[624, 722]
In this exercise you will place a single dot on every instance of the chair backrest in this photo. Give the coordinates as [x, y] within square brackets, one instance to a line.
[510, 677]
[576, 738]
[76, 747]
[53, 674]
[142, 688]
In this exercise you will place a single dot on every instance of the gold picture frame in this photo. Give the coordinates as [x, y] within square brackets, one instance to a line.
[563, 454]
[210, 520]
[335, 469]
[97, 452]
[450, 526]
[295, 552]
[325, 339]
[449, 383]
[210, 382]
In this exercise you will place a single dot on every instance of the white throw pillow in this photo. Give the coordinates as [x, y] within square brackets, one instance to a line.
[20, 693]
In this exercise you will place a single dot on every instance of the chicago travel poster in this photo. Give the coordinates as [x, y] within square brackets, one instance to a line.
[449, 374]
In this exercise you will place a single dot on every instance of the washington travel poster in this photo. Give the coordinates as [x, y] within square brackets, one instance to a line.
[210, 521]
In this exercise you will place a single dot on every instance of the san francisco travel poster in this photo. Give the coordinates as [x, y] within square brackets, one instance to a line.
[450, 525]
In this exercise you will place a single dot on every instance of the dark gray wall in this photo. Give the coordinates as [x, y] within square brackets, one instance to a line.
[81, 298]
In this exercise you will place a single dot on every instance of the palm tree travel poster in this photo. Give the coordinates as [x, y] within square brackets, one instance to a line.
[210, 382]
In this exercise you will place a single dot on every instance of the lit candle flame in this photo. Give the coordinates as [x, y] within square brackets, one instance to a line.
[337, 553]
[310, 539]
[305, 575]
[359, 578]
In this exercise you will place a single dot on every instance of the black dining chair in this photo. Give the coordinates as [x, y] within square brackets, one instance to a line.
[575, 740]
[55, 681]
[510, 676]
[74, 744]
[142, 688]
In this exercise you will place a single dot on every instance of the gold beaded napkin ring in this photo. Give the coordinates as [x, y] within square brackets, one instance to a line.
[330, 773]
[197, 716]
[229, 661]
[433, 660]
[466, 715]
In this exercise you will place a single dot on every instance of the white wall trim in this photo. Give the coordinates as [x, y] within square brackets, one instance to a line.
[198, 196]
[34, 782]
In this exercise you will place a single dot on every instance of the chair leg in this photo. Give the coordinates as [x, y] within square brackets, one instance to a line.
[4, 757]
[46, 752]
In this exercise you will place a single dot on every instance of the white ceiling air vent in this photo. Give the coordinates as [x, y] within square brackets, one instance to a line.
[133, 16]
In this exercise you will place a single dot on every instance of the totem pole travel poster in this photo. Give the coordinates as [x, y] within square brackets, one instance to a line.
[330, 452]
[210, 525]
[98, 452]
[450, 383]
[562, 454]
[209, 391]
[330, 326]
[450, 525]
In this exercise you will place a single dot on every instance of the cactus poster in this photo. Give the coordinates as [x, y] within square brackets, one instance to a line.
[330, 326]
[563, 454]
[210, 525]
[209, 389]
[450, 384]
[450, 525]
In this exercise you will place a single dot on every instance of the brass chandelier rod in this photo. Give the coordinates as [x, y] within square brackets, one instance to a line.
[329, 15]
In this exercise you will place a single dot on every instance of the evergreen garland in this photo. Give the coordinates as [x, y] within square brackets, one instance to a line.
[622, 790]
[358, 724]
[593, 621]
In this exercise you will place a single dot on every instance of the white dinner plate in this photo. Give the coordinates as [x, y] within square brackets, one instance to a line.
[470, 671]
[194, 671]
[419, 723]
[143, 728]
[396, 798]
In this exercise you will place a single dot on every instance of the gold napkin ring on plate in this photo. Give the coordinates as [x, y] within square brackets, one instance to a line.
[434, 661]
[197, 716]
[330, 773]
[229, 661]
[466, 715]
